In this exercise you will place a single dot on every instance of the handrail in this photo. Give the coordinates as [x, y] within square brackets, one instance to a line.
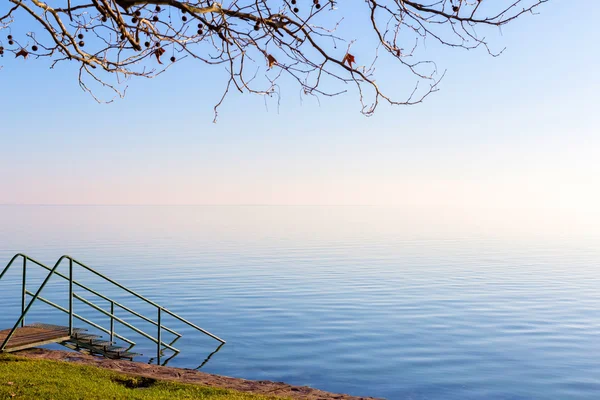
[145, 299]
[25, 257]
[111, 314]
[79, 317]
[114, 301]
[127, 324]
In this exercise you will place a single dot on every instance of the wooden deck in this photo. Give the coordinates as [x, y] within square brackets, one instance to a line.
[33, 336]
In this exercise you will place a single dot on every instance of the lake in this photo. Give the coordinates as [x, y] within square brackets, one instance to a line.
[376, 301]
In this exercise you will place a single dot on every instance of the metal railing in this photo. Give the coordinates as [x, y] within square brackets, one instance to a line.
[111, 314]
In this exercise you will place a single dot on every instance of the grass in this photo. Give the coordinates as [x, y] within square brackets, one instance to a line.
[22, 378]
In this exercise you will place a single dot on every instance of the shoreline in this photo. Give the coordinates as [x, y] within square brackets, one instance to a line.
[189, 376]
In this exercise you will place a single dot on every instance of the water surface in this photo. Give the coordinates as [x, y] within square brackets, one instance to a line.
[388, 302]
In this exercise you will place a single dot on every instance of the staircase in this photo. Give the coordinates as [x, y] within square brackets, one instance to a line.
[22, 336]
[94, 344]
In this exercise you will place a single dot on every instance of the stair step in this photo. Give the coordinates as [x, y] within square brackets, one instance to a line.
[115, 349]
[85, 337]
[100, 343]
[89, 350]
[125, 354]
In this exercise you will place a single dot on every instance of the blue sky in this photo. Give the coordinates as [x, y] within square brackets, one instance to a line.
[520, 130]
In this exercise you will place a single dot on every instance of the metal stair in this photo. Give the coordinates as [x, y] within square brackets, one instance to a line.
[23, 336]
[93, 345]
[37, 334]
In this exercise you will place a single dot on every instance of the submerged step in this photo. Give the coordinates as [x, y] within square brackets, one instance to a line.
[125, 354]
[113, 352]
[94, 344]
[115, 349]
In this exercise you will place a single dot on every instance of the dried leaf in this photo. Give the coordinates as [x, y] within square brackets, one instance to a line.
[159, 52]
[349, 58]
[271, 60]
[21, 52]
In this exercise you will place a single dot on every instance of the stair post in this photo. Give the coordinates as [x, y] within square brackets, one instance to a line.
[159, 340]
[112, 321]
[24, 289]
[70, 296]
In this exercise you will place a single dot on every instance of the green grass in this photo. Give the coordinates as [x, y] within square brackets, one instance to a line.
[22, 378]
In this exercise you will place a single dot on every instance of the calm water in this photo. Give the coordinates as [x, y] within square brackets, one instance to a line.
[401, 304]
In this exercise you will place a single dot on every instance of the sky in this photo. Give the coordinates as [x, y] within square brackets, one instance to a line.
[516, 131]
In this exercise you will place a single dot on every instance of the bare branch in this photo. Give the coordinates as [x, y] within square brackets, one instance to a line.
[258, 42]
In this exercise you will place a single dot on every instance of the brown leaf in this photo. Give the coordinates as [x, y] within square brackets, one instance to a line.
[159, 52]
[349, 58]
[21, 52]
[271, 60]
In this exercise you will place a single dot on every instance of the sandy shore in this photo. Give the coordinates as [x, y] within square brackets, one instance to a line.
[189, 376]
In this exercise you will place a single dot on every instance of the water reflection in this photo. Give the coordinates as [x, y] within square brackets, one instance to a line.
[153, 360]
[210, 355]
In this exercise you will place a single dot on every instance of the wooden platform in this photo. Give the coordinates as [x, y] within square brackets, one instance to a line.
[37, 334]
[33, 336]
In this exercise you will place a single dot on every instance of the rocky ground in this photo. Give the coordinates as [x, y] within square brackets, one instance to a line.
[189, 376]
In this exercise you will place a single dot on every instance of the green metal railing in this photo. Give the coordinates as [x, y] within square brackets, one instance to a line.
[111, 314]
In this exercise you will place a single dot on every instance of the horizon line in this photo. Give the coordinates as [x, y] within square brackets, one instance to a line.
[182, 205]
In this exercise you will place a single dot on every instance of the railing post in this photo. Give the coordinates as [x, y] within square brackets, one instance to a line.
[159, 340]
[112, 321]
[70, 297]
[24, 289]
